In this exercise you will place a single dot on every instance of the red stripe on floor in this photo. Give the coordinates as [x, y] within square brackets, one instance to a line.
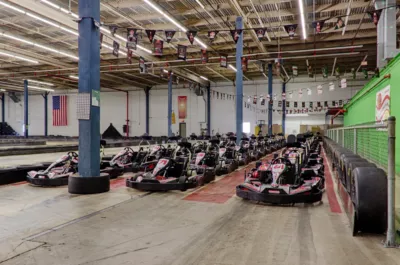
[117, 183]
[330, 191]
[222, 190]
[18, 183]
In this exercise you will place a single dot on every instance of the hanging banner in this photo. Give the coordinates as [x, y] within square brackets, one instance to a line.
[169, 35]
[343, 83]
[236, 34]
[262, 101]
[260, 33]
[101, 39]
[150, 34]
[337, 71]
[255, 100]
[223, 61]
[331, 86]
[339, 23]
[115, 49]
[131, 39]
[382, 106]
[142, 65]
[245, 61]
[158, 47]
[113, 30]
[130, 54]
[275, 98]
[204, 56]
[291, 30]
[319, 90]
[309, 91]
[375, 15]
[212, 34]
[277, 68]
[182, 107]
[182, 52]
[262, 66]
[318, 25]
[340, 102]
[294, 69]
[191, 34]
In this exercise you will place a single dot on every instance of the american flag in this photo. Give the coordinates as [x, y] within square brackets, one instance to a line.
[60, 111]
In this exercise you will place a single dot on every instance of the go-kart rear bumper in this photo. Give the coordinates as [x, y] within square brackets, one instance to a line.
[160, 186]
[280, 198]
[48, 182]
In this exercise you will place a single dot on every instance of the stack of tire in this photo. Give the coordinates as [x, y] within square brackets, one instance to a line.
[366, 186]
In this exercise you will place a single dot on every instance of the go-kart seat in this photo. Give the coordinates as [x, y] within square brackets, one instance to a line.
[308, 174]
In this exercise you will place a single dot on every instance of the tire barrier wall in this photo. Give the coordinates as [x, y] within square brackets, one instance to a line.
[362, 189]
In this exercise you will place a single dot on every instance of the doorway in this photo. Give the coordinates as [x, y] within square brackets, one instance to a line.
[182, 129]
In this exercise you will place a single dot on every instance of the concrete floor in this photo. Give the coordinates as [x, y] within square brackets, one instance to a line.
[124, 226]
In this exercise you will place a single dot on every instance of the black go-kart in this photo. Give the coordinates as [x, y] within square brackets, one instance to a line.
[255, 152]
[169, 174]
[57, 173]
[228, 161]
[243, 151]
[205, 161]
[278, 183]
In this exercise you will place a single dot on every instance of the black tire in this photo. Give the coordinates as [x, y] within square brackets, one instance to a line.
[182, 180]
[218, 170]
[241, 163]
[370, 199]
[89, 185]
[355, 225]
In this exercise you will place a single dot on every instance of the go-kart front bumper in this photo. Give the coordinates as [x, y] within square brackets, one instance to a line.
[306, 197]
[48, 182]
[146, 186]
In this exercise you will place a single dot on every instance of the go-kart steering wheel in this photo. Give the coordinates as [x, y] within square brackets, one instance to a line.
[130, 150]
[73, 154]
[281, 160]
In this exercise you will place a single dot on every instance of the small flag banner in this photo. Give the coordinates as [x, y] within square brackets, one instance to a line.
[294, 69]
[236, 34]
[291, 30]
[191, 34]
[223, 61]
[182, 52]
[158, 47]
[169, 35]
[339, 23]
[318, 25]
[204, 56]
[375, 15]
[60, 113]
[115, 49]
[331, 86]
[244, 64]
[212, 34]
[132, 39]
[150, 34]
[260, 33]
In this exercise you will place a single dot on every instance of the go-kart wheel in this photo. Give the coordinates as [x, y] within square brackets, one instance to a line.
[258, 164]
[182, 180]
[218, 170]
[241, 162]
[355, 225]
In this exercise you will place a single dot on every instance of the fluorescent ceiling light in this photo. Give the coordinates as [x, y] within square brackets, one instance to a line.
[200, 4]
[18, 57]
[165, 15]
[2, 89]
[74, 77]
[203, 77]
[232, 67]
[303, 22]
[40, 82]
[41, 88]
[165, 71]
[202, 44]
[297, 115]
[12, 7]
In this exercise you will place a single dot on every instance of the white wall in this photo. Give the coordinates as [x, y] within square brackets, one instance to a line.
[223, 112]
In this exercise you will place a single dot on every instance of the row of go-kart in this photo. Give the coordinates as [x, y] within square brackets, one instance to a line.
[296, 175]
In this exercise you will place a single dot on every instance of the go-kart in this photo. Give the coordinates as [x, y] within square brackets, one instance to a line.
[227, 158]
[243, 151]
[255, 153]
[205, 162]
[278, 183]
[169, 173]
[57, 173]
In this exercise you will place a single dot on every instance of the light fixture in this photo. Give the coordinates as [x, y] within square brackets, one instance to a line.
[303, 22]
[203, 77]
[165, 71]
[232, 67]
[18, 57]
[40, 82]
[202, 44]
[8, 36]
[2, 89]
[41, 88]
[200, 4]
[297, 115]
[74, 77]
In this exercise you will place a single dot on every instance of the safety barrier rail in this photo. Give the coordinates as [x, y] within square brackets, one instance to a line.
[376, 143]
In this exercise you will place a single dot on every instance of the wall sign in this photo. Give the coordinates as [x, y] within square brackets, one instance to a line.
[382, 105]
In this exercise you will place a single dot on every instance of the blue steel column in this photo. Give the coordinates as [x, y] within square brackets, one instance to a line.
[270, 94]
[89, 79]
[208, 110]
[3, 108]
[45, 96]
[284, 108]
[26, 108]
[147, 91]
[239, 82]
[170, 105]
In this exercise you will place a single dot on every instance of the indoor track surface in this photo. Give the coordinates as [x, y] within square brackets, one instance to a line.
[209, 226]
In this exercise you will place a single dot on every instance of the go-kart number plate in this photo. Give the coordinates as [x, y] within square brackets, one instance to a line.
[160, 165]
[199, 157]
